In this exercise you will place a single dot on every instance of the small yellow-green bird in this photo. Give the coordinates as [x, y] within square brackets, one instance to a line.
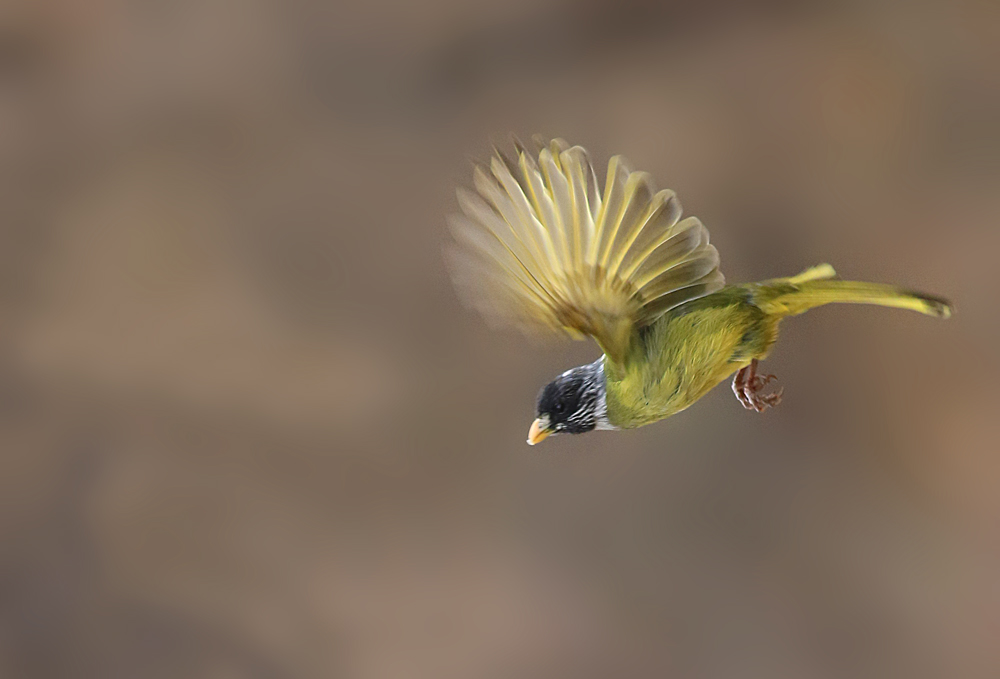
[540, 247]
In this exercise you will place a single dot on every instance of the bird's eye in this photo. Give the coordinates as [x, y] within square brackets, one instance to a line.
[560, 407]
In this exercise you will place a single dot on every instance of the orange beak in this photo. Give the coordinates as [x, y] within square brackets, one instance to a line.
[537, 433]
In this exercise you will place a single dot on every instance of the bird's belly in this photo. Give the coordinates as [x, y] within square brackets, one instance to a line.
[644, 398]
[687, 357]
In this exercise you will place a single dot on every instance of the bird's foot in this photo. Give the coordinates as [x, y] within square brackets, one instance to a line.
[748, 385]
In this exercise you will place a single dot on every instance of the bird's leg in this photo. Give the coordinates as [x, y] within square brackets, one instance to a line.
[739, 384]
[747, 386]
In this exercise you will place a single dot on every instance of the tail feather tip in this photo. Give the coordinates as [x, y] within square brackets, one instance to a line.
[935, 306]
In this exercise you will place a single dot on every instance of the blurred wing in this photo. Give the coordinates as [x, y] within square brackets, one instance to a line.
[539, 247]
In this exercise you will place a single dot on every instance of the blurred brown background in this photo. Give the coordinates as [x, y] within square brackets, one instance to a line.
[246, 429]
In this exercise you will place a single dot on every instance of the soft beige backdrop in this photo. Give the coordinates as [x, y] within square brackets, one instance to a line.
[246, 429]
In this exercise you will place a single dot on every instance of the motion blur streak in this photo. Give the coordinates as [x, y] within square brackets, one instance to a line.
[247, 430]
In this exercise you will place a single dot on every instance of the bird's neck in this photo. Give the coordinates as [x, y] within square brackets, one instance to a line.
[600, 384]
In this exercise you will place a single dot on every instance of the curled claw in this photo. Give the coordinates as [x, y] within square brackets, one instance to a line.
[758, 381]
[747, 386]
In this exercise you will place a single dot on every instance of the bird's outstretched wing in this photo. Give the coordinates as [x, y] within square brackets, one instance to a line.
[540, 247]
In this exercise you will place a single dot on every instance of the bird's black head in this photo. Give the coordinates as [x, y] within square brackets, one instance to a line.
[573, 403]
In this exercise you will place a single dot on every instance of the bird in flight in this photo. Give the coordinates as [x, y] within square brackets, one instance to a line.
[539, 246]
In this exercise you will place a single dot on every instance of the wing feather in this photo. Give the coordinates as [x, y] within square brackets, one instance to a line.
[586, 200]
[545, 209]
[609, 216]
[540, 247]
[661, 224]
[558, 186]
[675, 247]
[639, 193]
